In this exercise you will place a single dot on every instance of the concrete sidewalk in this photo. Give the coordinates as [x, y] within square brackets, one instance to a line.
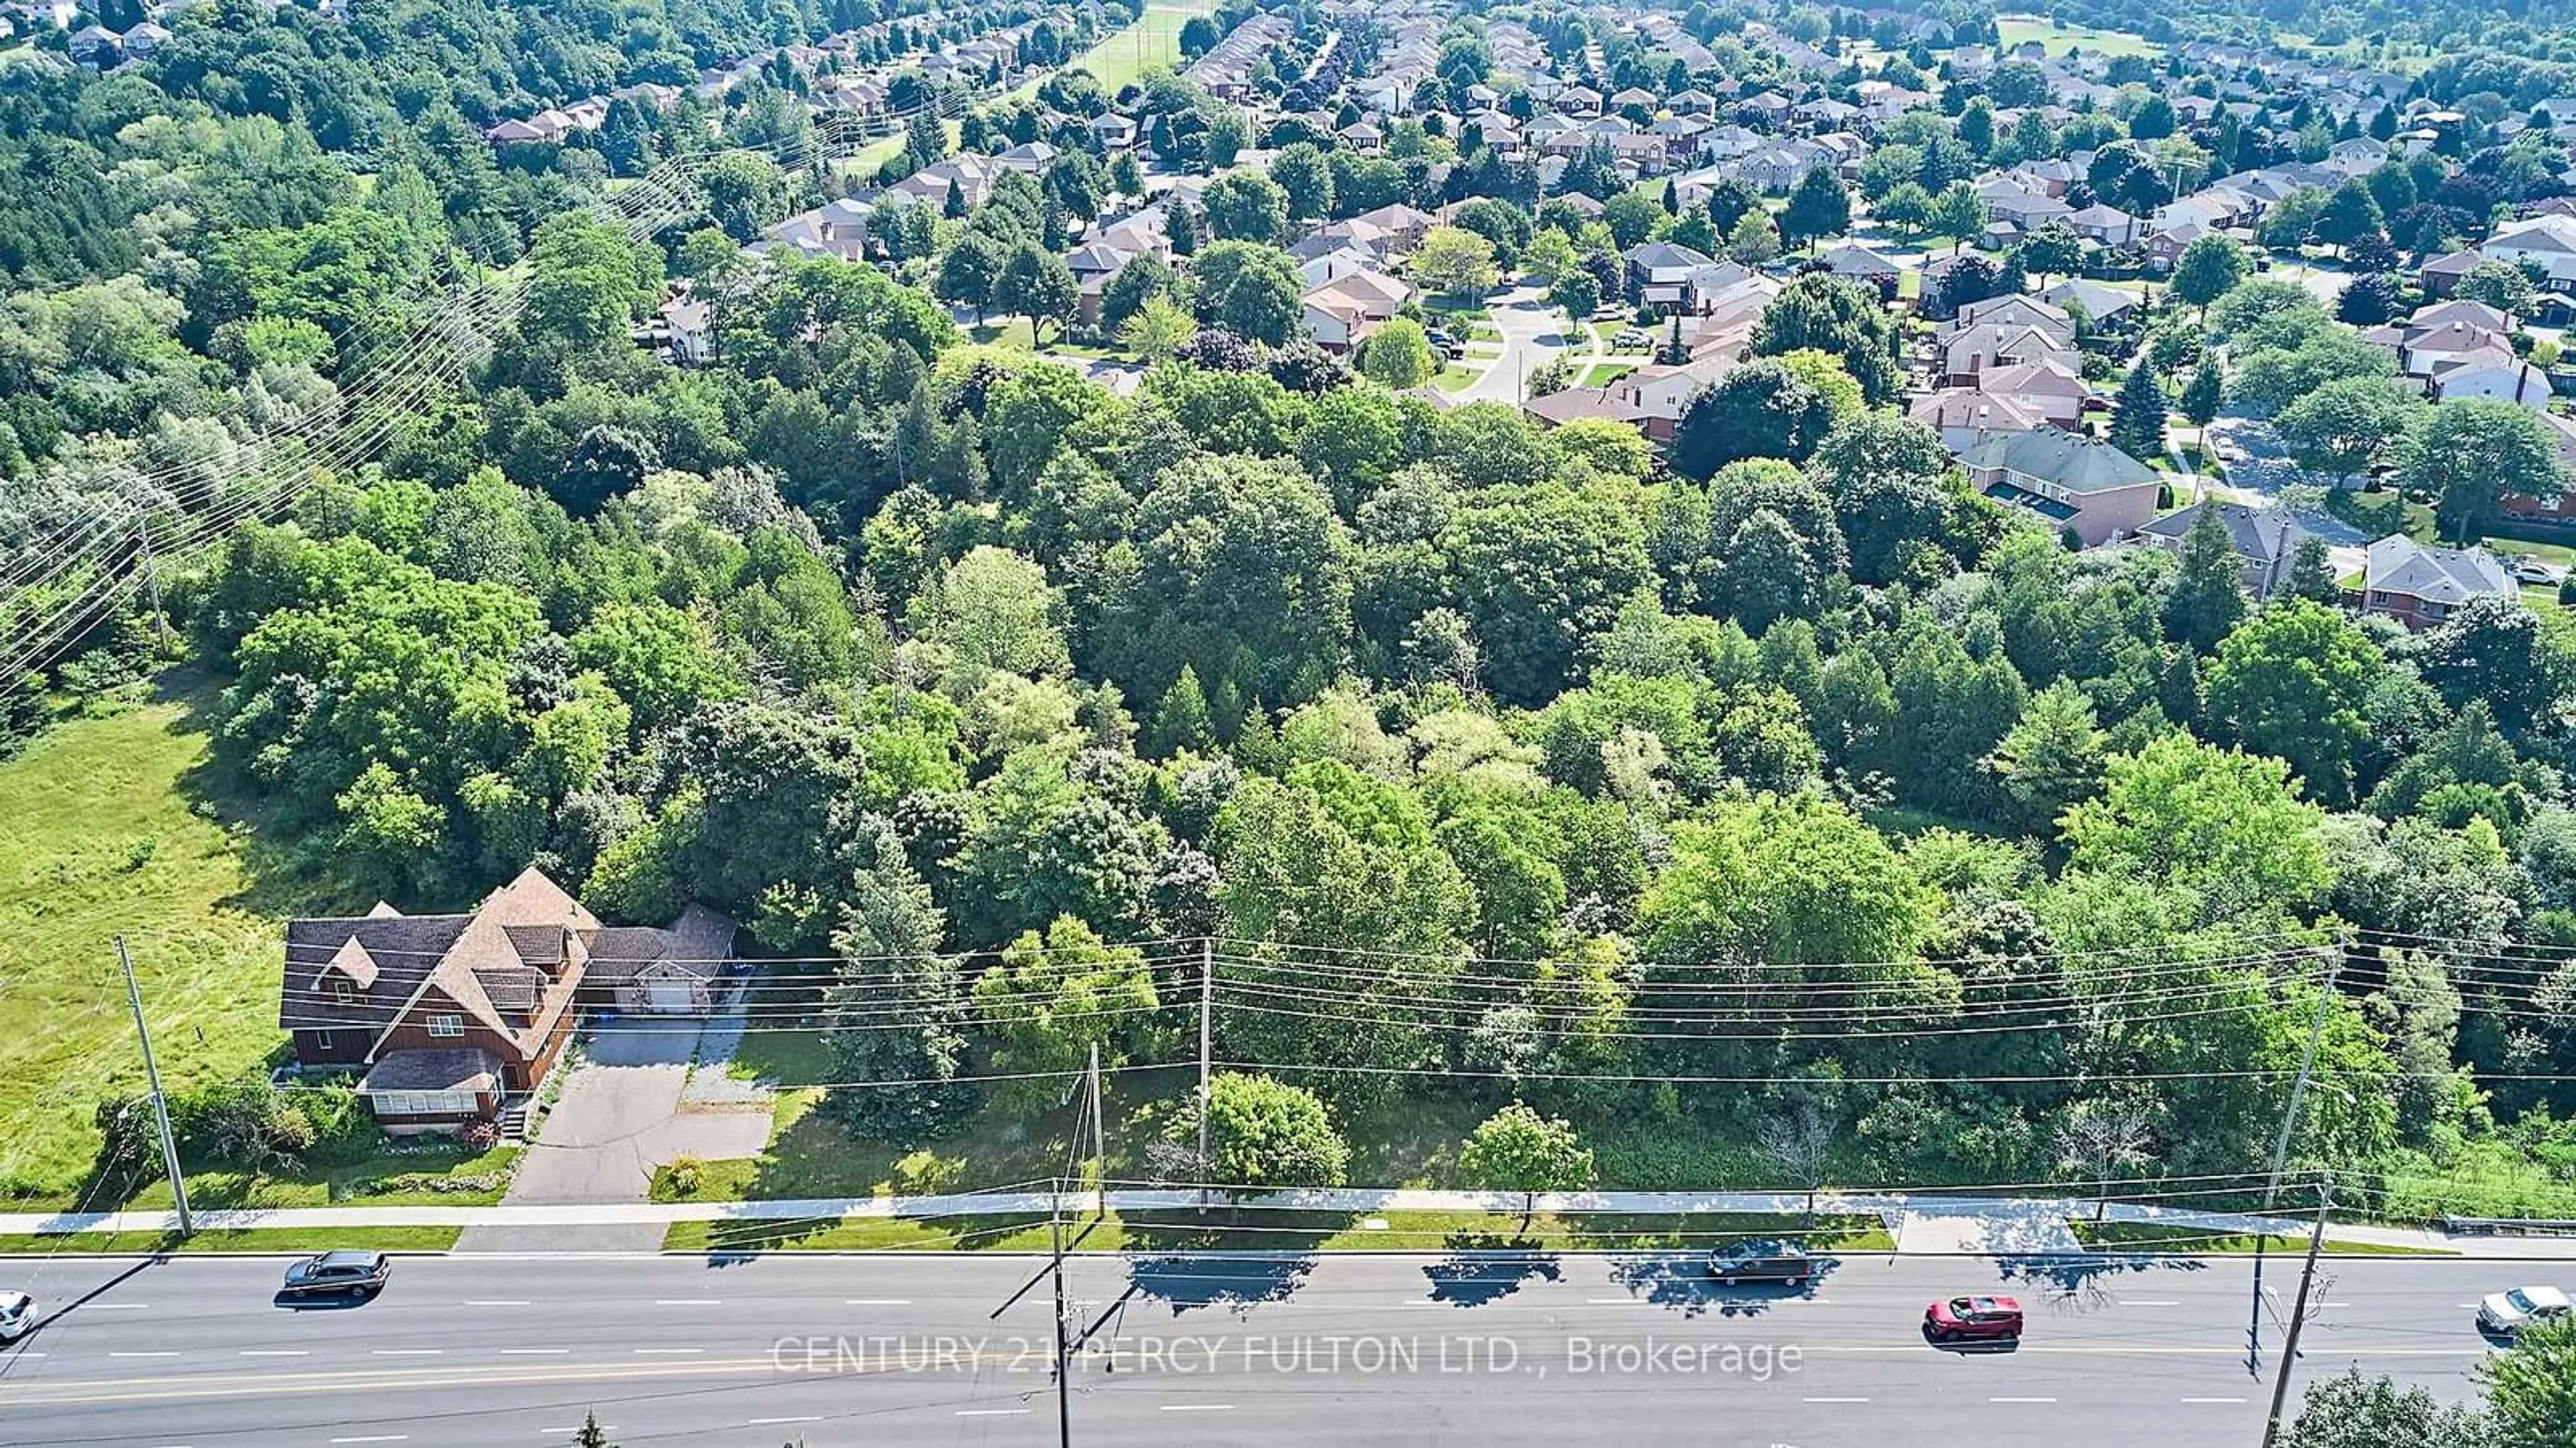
[1922, 1224]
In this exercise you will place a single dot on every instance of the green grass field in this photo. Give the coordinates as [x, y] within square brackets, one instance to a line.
[2016, 30]
[107, 831]
[2191, 1241]
[1154, 40]
[1251, 1229]
[251, 1239]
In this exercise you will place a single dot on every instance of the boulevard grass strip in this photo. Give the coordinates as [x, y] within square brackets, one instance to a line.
[246, 1239]
[2198, 1242]
[1229, 1228]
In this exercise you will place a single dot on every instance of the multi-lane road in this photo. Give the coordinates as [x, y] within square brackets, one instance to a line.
[1396, 1349]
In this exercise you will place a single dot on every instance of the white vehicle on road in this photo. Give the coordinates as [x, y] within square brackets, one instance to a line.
[17, 1315]
[2507, 1313]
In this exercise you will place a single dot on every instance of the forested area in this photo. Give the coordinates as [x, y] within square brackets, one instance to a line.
[1788, 781]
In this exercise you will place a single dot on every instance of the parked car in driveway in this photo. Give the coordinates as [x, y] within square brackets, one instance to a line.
[1962, 1319]
[2508, 1312]
[344, 1273]
[1629, 339]
[17, 1315]
[2532, 570]
[1762, 1261]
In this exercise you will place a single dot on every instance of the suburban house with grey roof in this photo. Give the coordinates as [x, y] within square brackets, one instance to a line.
[2265, 540]
[2080, 485]
[2421, 586]
[448, 1017]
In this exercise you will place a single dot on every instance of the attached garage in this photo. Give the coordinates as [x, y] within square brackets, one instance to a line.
[671, 992]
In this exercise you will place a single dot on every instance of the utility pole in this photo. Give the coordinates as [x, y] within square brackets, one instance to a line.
[2299, 1315]
[2307, 1067]
[1063, 1376]
[1207, 1013]
[1099, 1139]
[160, 1108]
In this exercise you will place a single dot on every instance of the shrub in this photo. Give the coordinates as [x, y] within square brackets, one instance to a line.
[481, 1135]
[684, 1175]
[926, 1173]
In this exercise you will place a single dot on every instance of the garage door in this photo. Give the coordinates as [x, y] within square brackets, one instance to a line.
[670, 995]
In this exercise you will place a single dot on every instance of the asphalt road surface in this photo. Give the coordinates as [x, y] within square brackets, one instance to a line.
[486, 1352]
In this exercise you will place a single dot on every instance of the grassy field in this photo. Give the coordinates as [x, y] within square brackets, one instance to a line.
[1286, 1231]
[2016, 30]
[251, 1239]
[1602, 374]
[2157, 1237]
[391, 1180]
[1154, 40]
[110, 828]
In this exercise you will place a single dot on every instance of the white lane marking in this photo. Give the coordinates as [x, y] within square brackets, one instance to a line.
[2021, 1400]
[2213, 1400]
[114, 1307]
[2148, 1302]
[991, 1412]
[1198, 1407]
[1609, 1301]
[535, 1351]
[496, 1302]
[377, 1438]
[1837, 1400]
[767, 1422]
[2334, 1304]
[876, 1302]
[141, 1354]
[546, 1432]
[688, 1302]
[274, 1352]
[410, 1352]
[667, 1351]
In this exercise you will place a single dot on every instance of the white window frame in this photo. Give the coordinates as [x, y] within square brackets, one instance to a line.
[343, 992]
[321, 1040]
[447, 1025]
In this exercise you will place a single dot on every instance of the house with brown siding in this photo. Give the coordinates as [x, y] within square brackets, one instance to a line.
[447, 1017]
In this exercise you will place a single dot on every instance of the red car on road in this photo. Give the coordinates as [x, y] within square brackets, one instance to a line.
[1962, 1318]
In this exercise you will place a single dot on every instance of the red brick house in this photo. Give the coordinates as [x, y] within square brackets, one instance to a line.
[447, 1017]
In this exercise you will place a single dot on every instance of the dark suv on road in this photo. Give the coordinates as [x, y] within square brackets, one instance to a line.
[338, 1274]
[1762, 1261]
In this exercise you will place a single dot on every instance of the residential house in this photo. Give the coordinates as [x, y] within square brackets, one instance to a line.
[1659, 274]
[2101, 301]
[2106, 225]
[95, 45]
[837, 228]
[2548, 242]
[2265, 540]
[2420, 586]
[2010, 202]
[1341, 313]
[1662, 392]
[1965, 416]
[446, 1017]
[143, 39]
[1855, 262]
[2078, 484]
[1575, 404]
[1981, 347]
[1112, 131]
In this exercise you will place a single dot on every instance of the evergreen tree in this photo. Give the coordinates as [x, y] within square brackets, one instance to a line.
[2209, 598]
[2138, 414]
[1181, 719]
[591, 1434]
[2311, 574]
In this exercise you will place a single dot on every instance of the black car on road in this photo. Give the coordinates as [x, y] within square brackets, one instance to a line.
[1762, 1261]
[344, 1273]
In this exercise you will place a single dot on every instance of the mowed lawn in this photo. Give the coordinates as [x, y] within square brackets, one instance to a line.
[2015, 30]
[97, 837]
[1154, 40]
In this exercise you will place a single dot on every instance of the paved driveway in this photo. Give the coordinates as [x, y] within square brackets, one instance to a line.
[1532, 332]
[617, 1118]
